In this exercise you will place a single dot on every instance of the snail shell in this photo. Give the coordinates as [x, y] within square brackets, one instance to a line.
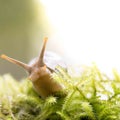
[51, 60]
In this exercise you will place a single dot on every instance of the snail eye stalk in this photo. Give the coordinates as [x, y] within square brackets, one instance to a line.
[14, 61]
[40, 60]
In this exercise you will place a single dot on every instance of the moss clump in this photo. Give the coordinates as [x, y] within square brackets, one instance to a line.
[92, 96]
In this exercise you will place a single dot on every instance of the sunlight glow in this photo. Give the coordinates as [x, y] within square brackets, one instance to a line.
[89, 30]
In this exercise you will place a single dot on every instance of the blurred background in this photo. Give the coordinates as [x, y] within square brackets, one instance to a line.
[81, 31]
[23, 24]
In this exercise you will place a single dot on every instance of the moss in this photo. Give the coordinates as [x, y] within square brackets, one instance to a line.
[91, 96]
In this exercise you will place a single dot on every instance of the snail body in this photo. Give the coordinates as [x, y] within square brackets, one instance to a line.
[40, 70]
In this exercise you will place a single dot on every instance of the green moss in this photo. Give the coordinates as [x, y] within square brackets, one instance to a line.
[92, 96]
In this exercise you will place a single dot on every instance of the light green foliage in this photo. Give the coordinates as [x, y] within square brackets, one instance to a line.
[92, 96]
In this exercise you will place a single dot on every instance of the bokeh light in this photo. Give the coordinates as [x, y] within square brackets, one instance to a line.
[89, 30]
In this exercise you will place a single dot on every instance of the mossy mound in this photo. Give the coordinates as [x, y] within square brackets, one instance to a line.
[92, 96]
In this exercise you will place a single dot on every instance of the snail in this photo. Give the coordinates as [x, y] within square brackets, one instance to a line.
[40, 70]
